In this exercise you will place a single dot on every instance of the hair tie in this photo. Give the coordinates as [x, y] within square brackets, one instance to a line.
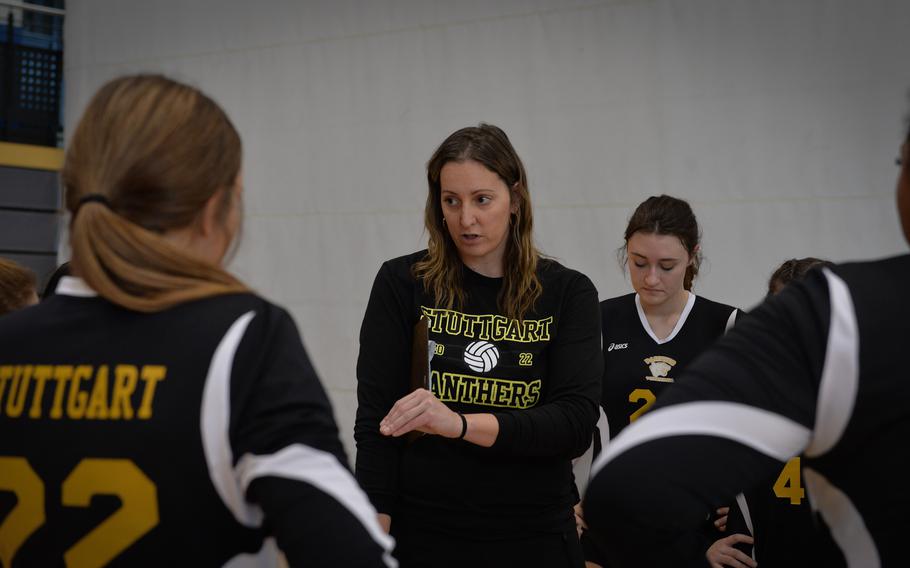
[93, 197]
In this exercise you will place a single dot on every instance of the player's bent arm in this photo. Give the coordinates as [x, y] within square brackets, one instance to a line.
[314, 527]
[645, 505]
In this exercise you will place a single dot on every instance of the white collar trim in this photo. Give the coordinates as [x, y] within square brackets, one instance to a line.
[679, 323]
[73, 286]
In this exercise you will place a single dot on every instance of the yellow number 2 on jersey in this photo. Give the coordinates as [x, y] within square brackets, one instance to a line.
[788, 484]
[137, 515]
[637, 395]
[28, 514]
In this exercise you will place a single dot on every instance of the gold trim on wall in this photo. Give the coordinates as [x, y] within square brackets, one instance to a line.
[29, 156]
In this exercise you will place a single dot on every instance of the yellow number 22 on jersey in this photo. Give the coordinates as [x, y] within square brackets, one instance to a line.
[137, 515]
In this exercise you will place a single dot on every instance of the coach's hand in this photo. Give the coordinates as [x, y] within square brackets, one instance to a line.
[420, 411]
[722, 553]
[423, 412]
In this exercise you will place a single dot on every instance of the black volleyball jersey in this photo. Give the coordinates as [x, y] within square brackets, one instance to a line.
[815, 371]
[180, 437]
[637, 365]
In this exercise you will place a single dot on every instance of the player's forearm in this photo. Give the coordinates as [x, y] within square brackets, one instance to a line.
[316, 528]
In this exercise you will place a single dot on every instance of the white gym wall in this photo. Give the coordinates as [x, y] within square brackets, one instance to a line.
[779, 121]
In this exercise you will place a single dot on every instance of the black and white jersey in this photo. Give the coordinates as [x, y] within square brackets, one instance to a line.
[184, 437]
[815, 371]
[637, 365]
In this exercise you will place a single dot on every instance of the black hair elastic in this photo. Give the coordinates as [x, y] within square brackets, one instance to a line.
[95, 197]
[464, 426]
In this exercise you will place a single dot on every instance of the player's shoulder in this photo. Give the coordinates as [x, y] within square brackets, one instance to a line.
[228, 308]
[876, 286]
[262, 321]
[883, 274]
[895, 265]
[712, 308]
[876, 292]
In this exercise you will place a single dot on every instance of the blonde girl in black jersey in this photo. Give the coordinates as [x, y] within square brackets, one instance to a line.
[154, 410]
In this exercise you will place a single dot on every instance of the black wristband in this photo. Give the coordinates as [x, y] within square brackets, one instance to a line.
[464, 426]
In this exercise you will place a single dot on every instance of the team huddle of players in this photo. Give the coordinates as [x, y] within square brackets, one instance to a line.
[154, 409]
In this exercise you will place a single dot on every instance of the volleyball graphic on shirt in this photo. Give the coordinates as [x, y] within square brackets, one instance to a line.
[481, 356]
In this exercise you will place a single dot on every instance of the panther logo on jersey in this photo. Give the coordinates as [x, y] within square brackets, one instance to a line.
[481, 356]
[660, 367]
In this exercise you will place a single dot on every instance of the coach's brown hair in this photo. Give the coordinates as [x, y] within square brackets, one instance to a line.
[18, 285]
[441, 270]
[157, 150]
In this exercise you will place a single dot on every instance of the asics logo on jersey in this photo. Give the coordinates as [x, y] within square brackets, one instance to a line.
[481, 356]
[617, 346]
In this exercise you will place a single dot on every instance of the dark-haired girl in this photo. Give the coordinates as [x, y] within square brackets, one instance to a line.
[652, 333]
[515, 378]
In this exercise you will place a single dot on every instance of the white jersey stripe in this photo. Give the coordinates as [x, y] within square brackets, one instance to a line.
[215, 418]
[321, 470]
[840, 375]
[771, 434]
[848, 529]
[731, 320]
[747, 517]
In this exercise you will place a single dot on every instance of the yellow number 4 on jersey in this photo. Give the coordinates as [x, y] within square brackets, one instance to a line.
[788, 484]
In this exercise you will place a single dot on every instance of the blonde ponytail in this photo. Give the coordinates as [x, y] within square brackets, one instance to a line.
[151, 152]
[138, 269]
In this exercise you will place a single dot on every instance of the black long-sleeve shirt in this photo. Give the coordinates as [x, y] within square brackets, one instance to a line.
[540, 377]
[816, 371]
